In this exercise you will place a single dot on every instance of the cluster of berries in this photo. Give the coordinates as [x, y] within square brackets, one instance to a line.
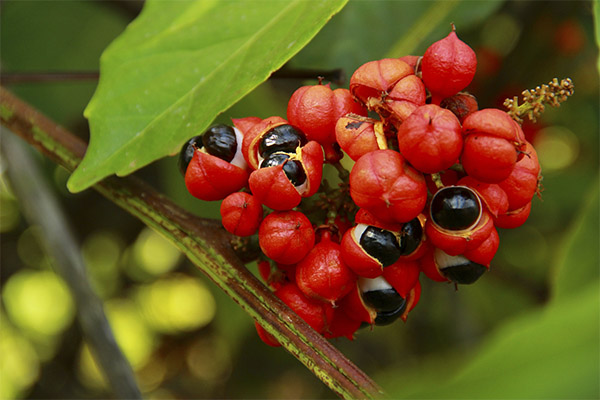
[432, 178]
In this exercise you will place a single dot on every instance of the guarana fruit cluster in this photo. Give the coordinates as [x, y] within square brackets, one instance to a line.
[432, 179]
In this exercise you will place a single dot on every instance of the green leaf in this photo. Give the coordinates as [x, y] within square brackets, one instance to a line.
[180, 64]
[548, 353]
[578, 260]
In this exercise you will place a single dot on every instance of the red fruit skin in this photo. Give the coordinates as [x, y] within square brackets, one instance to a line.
[316, 109]
[364, 217]
[448, 66]
[286, 237]
[273, 277]
[323, 275]
[374, 79]
[405, 97]
[411, 60]
[513, 219]
[265, 336]
[492, 195]
[315, 313]
[402, 275]
[342, 325]
[311, 157]
[429, 266]
[210, 178]
[357, 259]
[253, 136]
[461, 104]
[272, 188]
[486, 251]
[522, 183]
[487, 158]
[412, 300]
[355, 308]
[457, 242]
[357, 137]
[386, 186]
[430, 139]
[245, 124]
[241, 214]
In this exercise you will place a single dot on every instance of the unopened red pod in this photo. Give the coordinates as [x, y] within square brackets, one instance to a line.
[323, 274]
[386, 186]
[372, 81]
[284, 178]
[493, 143]
[286, 236]
[315, 313]
[491, 194]
[315, 110]
[457, 220]
[447, 67]
[515, 218]
[430, 139]
[358, 135]
[241, 214]
[522, 183]
[405, 97]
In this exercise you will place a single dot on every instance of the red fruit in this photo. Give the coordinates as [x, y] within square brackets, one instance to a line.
[457, 242]
[413, 61]
[492, 146]
[253, 136]
[440, 266]
[403, 276]
[210, 178]
[430, 139]
[448, 66]
[405, 97]
[315, 313]
[355, 256]
[316, 109]
[358, 136]
[522, 183]
[386, 186]
[245, 124]
[241, 214]
[515, 218]
[274, 277]
[364, 217]
[492, 195]
[461, 105]
[485, 252]
[449, 177]
[322, 274]
[286, 236]
[273, 188]
[265, 336]
[372, 81]
[412, 300]
[355, 308]
[342, 325]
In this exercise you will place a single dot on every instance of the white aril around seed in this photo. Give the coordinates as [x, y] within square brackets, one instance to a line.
[444, 260]
[238, 160]
[373, 284]
[358, 231]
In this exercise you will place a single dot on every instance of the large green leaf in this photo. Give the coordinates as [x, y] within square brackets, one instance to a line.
[178, 65]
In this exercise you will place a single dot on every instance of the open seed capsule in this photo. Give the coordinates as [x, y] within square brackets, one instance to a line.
[379, 295]
[282, 138]
[455, 208]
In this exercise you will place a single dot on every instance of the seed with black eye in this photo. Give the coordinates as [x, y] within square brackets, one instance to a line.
[410, 236]
[187, 153]
[293, 168]
[387, 317]
[455, 208]
[220, 141]
[458, 269]
[380, 244]
[285, 138]
[379, 295]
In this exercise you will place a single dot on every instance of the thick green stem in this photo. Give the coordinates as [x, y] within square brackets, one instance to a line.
[207, 246]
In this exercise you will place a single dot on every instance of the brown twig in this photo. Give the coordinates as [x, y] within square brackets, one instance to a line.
[207, 246]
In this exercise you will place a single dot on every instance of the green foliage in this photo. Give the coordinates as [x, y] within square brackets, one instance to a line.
[175, 69]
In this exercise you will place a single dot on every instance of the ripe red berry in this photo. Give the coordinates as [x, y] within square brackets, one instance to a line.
[386, 186]
[405, 97]
[265, 336]
[315, 313]
[358, 136]
[448, 66]
[322, 274]
[241, 214]
[522, 183]
[372, 81]
[286, 236]
[430, 139]
[513, 219]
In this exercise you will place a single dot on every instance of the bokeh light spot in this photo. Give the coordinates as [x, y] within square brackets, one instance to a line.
[102, 253]
[154, 253]
[38, 302]
[19, 364]
[557, 148]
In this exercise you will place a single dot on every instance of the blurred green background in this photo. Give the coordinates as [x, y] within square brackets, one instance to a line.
[527, 329]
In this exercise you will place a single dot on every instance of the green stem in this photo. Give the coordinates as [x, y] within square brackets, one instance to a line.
[205, 243]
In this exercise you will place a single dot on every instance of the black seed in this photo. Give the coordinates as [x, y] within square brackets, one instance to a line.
[465, 273]
[281, 138]
[220, 141]
[411, 235]
[383, 300]
[293, 168]
[387, 317]
[380, 244]
[187, 153]
[455, 208]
